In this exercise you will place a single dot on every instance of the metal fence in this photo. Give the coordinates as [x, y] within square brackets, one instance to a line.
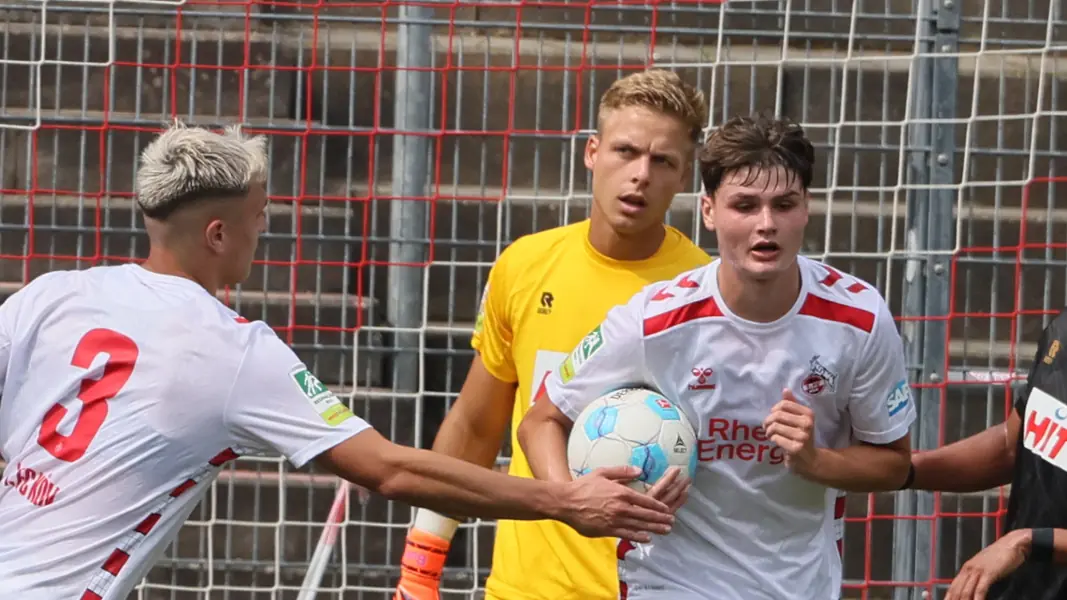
[411, 141]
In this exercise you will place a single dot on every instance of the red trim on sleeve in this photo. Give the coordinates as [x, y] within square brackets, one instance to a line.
[828, 310]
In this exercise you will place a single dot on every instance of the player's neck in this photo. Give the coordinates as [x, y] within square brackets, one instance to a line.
[759, 301]
[608, 242]
[167, 263]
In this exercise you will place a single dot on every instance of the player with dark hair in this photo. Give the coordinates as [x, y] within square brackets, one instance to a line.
[1028, 451]
[125, 389]
[545, 291]
[808, 392]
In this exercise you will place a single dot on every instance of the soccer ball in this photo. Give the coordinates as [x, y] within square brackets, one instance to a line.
[632, 426]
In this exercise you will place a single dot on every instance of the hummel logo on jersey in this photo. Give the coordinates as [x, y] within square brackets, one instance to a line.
[546, 304]
[702, 379]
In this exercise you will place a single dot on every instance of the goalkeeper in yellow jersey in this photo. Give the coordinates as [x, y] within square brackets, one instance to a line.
[545, 292]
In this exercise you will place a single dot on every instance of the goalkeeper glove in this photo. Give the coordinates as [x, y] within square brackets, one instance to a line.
[425, 551]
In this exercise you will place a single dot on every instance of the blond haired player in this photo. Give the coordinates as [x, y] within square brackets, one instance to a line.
[545, 292]
[125, 389]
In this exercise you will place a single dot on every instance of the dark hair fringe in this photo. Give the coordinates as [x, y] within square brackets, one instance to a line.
[753, 144]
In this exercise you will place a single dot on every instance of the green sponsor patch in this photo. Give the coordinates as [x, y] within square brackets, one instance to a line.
[325, 403]
[590, 345]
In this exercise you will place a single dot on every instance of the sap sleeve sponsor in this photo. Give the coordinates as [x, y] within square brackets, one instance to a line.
[609, 357]
[899, 398]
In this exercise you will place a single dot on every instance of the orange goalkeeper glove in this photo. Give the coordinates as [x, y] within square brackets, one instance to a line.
[424, 557]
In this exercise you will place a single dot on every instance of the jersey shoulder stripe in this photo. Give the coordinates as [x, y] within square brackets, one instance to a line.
[839, 297]
[688, 297]
[836, 312]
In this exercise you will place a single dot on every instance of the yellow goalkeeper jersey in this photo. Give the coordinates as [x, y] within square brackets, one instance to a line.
[544, 293]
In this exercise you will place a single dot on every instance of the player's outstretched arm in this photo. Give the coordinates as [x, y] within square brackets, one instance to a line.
[979, 462]
[278, 405]
[595, 506]
[984, 460]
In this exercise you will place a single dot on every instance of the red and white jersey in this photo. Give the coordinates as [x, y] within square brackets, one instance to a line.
[751, 528]
[123, 394]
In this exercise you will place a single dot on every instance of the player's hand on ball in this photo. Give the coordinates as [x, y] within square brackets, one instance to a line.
[991, 564]
[601, 505]
[672, 489]
[791, 426]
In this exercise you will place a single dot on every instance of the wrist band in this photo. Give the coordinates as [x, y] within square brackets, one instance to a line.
[910, 479]
[1042, 545]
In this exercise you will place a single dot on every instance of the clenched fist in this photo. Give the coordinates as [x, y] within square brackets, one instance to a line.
[791, 426]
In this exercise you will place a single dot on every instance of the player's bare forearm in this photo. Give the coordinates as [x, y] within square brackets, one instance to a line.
[452, 488]
[475, 426]
[1023, 539]
[440, 483]
[595, 506]
[861, 467]
[543, 438]
[979, 462]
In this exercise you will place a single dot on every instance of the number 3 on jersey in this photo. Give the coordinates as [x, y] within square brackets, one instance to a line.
[94, 393]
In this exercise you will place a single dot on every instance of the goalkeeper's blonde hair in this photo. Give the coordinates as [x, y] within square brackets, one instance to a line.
[662, 91]
[187, 164]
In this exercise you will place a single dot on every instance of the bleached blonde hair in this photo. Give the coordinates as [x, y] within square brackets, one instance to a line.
[185, 164]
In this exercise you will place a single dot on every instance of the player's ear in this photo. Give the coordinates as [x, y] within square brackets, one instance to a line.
[707, 211]
[215, 235]
[591, 147]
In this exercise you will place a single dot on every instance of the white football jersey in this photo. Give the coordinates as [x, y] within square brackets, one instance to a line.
[751, 529]
[124, 392]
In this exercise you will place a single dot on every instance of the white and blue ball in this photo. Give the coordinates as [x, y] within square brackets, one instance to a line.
[633, 426]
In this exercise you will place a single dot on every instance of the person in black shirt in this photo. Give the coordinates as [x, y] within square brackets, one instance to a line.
[1028, 450]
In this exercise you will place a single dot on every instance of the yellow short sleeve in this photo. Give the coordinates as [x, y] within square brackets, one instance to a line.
[492, 329]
